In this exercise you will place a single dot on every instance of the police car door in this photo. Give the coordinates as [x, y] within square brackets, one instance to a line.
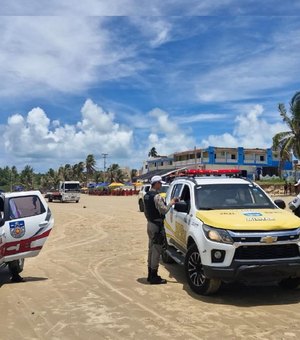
[28, 223]
[171, 216]
[182, 218]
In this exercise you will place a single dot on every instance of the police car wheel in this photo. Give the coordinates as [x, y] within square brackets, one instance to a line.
[197, 281]
[141, 205]
[290, 283]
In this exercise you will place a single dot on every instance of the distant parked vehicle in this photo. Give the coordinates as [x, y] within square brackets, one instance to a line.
[145, 188]
[68, 191]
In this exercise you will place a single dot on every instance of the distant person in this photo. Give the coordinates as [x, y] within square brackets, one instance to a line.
[15, 270]
[285, 188]
[155, 209]
[290, 188]
[296, 186]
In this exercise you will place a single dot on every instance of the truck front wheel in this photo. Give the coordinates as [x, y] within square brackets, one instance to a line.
[197, 281]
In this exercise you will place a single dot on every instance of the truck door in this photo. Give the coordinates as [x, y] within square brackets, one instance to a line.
[182, 218]
[171, 216]
[28, 222]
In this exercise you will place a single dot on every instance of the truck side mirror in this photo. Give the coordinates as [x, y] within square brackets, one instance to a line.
[181, 206]
[280, 203]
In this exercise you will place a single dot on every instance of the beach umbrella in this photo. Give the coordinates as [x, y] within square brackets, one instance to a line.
[115, 184]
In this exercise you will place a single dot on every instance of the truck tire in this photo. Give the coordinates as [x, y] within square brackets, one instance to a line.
[141, 205]
[50, 199]
[290, 283]
[197, 281]
[16, 266]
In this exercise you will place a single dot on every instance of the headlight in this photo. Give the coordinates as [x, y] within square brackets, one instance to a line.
[217, 235]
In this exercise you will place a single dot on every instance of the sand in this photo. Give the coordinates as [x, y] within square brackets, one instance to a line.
[89, 282]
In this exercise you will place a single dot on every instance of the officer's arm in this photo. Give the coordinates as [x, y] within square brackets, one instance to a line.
[161, 205]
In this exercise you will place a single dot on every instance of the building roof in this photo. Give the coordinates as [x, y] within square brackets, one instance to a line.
[162, 172]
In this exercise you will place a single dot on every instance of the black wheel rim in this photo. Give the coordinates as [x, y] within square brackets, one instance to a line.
[195, 269]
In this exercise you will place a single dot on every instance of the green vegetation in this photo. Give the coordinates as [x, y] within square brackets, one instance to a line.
[289, 141]
[85, 172]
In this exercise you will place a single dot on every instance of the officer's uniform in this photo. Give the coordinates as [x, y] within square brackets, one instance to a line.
[155, 209]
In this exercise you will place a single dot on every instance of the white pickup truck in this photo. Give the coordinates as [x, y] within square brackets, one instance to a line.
[67, 191]
[25, 224]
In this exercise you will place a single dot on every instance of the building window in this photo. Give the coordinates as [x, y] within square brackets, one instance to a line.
[198, 154]
[261, 158]
[223, 153]
[233, 156]
[170, 162]
[161, 163]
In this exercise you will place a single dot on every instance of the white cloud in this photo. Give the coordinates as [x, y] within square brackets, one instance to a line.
[155, 29]
[269, 67]
[113, 7]
[250, 130]
[35, 137]
[60, 54]
[167, 136]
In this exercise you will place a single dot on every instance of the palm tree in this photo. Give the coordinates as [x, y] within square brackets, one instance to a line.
[289, 141]
[27, 177]
[133, 174]
[115, 173]
[90, 164]
[153, 152]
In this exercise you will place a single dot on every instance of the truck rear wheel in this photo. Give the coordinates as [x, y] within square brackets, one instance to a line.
[141, 205]
[197, 281]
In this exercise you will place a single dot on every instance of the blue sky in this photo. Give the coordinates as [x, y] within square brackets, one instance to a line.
[88, 77]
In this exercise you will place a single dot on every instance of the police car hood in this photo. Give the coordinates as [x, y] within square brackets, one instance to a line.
[256, 219]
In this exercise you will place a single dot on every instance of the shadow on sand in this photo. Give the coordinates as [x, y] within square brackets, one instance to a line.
[237, 294]
[5, 278]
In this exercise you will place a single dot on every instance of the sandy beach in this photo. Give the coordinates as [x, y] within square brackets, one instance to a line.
[89, 282]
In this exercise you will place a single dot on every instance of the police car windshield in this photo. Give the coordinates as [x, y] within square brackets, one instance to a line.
[231, 196]
[164, 188]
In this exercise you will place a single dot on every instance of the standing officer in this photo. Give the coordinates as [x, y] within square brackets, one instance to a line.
[155, 209]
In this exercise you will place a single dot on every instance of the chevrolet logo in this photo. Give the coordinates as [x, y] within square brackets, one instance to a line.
[268, 239]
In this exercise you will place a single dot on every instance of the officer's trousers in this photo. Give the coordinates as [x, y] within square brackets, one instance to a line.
[154, 250]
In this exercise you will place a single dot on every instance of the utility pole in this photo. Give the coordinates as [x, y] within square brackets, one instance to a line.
[104, 155]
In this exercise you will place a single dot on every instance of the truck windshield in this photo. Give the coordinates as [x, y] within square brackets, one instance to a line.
[74, 187]
[231, 196]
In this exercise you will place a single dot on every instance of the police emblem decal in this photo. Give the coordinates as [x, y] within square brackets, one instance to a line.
[17, 229]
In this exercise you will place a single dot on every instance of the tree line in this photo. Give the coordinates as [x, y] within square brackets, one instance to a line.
[84, 171]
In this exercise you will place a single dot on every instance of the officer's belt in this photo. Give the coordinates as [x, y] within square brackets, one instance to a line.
[158, 221]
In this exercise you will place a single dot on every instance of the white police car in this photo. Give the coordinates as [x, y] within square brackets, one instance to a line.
[25, 224]
[228, 229]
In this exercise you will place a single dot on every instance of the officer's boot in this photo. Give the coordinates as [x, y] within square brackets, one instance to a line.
[155, 279]
[16, 278]
[149, 274]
